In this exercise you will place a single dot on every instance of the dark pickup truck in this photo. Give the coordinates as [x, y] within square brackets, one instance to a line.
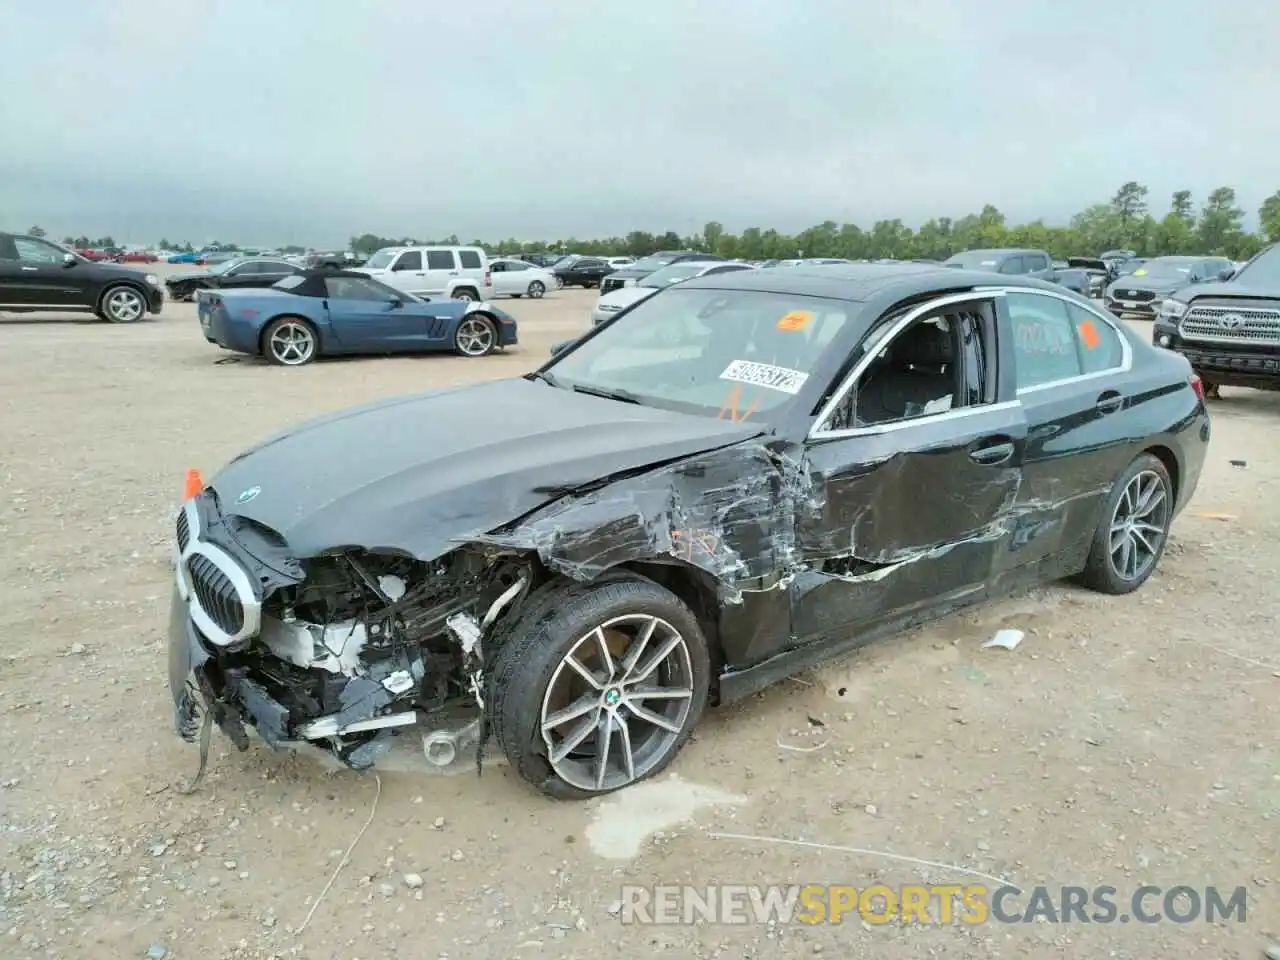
[1022, 263]
[1229, 330]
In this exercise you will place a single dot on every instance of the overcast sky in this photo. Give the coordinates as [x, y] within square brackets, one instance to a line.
[275, 121]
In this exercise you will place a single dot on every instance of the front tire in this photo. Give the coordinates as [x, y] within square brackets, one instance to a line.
[476, 336]
[598, 686]
[537, 289]
[290, 342]
[1133, 531]
[467, 294]
[123, 305]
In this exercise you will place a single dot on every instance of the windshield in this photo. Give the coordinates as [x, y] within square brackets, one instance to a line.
[382, 259]
[709, 352]
[973, 260]
[1166, 268]
[650, 263]
[1262, 271]
[673, 274]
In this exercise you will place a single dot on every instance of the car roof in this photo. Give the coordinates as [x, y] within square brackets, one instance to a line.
[862, 282]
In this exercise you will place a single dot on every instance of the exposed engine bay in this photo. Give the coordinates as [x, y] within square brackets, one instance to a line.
[361, 645]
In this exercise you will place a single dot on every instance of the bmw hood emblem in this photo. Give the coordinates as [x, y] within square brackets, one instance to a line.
[248, 495]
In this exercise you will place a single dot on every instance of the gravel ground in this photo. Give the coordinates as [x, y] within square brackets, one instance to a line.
[1125, 742]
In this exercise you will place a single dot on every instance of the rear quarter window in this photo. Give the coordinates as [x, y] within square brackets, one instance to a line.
[469, 259]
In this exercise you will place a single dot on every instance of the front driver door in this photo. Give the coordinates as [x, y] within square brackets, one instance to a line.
[916, 468]
[43, 278]
[365, 318]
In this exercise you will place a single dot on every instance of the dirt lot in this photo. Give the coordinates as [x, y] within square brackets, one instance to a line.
[1125, 742]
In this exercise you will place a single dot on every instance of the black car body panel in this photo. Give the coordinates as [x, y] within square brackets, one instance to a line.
[251, 272]
[1017, 262]
[792, 535]
[582, 271]
[1229, 331]
[42, 276]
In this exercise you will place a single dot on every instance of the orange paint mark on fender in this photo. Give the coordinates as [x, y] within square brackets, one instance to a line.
[687, 544]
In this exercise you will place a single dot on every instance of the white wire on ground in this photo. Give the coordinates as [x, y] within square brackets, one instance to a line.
[345, 857]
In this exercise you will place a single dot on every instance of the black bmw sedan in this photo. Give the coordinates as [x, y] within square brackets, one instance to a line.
[734, 479]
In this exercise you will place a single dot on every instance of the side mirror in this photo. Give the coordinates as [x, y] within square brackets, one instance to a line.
[68, 259]
[561, 347]
[1226, 274]
[395, 304]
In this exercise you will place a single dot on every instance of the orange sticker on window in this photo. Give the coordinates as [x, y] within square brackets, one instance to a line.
[795, 321]
[1089, 334]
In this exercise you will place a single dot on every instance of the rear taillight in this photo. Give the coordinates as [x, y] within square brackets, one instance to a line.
[488, 278]
[1197, 385]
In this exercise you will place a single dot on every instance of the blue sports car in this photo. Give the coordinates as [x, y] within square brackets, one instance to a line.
[331, 312]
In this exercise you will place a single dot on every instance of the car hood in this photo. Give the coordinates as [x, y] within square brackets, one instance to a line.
[1230, 289]
[630, 273]
[1148, 284]
[626, 296]
[420, 474]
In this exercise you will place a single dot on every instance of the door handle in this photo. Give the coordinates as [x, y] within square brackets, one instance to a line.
[1109, 401]
[30, 269]
[993, 455]
[453, 273]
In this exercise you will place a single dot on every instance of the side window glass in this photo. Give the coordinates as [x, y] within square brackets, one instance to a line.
[499, 266]
[33, 251]
[915, 374]
[352, 288]
[440, 260]
[469, 259]
[1044, 340]
[409, 260]
[517, 267]
[1099, 343]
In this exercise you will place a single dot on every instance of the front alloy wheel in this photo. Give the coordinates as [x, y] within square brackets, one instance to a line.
[597, 686]
[123, 305]
[617, 703]
[537, 289]
[475, 336]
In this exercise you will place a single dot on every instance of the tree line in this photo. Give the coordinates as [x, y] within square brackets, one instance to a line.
[1124, 223]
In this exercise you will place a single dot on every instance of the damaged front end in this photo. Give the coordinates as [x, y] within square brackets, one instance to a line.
[339, 651]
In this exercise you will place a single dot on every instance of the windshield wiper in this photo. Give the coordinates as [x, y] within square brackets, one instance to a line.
[549, 379]
[622, 396]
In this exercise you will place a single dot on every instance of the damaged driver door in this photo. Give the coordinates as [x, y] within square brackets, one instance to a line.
[918, 457]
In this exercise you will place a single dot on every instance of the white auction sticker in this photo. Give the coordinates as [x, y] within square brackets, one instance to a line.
[765, 375]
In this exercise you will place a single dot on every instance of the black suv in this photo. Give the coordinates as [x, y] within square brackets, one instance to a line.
[651, 264]
[585, 272]
[36, 275]
[1229, 330]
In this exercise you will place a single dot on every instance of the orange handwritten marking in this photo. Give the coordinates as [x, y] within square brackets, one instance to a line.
[795, 321]
[689, 543]
[733, 406]
[1089, 334]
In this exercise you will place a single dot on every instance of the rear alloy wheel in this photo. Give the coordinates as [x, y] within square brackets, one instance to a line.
[599, 687]
[537, 289]
[476, 336]
[289, 342]
[123, 305]
[1134, 529]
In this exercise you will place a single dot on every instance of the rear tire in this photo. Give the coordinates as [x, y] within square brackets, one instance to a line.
[1133, 531]
[467, 294]
[290, 342]
[649, 662]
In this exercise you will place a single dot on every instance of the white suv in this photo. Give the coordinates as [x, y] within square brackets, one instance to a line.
[460, 273]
